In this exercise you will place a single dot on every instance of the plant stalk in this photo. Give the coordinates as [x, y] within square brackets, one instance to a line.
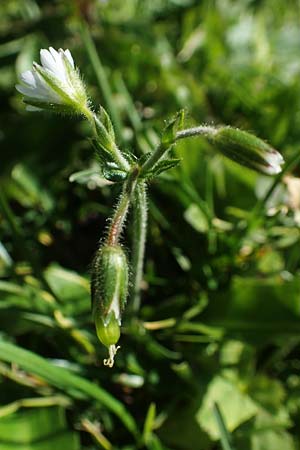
[140, 213]
[119, 217]
[202, 130]
[162, 148]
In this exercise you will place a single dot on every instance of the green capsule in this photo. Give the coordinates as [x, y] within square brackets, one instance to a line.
[108, 333]
[109, 292]
[247, 149]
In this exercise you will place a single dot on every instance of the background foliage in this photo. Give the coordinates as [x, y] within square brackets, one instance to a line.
[219, 322]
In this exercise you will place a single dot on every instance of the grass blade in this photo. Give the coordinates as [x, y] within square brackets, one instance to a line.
[63, 379]
[224, 435]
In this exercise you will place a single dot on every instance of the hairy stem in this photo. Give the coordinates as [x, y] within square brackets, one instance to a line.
[202, 130]
[139, 242]
[119, 217]
[154, 157]
[162, 148]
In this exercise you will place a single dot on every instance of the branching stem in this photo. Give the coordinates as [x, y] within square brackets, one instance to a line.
[202, 130]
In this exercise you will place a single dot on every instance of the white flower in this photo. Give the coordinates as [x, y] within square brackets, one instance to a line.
[56, 84]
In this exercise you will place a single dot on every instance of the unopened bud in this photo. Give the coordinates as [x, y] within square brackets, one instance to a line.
[247, 149]
[109, 292]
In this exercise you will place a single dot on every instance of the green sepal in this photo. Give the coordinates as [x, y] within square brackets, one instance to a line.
[105, 119]
[164, 165]
[53, 107]
[105, 141]
[75, 80]
[57, 87]
[109, 284]
[144, 158]
[102, 154]
[169, 133]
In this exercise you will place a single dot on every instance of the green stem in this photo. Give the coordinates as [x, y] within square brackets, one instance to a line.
[162, 148]
[224, 435]
[155, 157]
[139, 242]
[101, 78]
[202, 130]
[119, 217]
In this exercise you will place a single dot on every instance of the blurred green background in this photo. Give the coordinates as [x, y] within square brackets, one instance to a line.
[219, 321]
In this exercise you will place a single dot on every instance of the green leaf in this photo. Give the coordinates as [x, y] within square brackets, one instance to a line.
[196, 218]
[272, 439]
[105, 119]
[90, 177]
[72, 289]
[169, 133]
[65, 439]
[271, 262]
[32, 425]
[149, 423]
[112, 173]
[236, 407]
[164, 165]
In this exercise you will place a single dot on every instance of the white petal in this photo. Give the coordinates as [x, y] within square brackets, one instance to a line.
[69, 56]
[28, 78]
[43, 90]
[47, 60]
[54, 53]
[25, 90]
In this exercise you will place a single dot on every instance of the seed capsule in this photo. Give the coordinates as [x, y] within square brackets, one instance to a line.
[247, 149]
[109, 292]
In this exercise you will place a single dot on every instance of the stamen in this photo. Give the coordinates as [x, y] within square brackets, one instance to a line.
[112, 350]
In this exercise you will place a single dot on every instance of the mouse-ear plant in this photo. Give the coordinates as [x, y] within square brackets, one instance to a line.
[56, 85]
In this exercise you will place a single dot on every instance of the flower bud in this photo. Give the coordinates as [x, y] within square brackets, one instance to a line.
[109, 292]
[247, 150]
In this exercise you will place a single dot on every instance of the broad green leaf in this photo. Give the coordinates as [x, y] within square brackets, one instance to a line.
[272, 440]
[71, 288]
[236, 406]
